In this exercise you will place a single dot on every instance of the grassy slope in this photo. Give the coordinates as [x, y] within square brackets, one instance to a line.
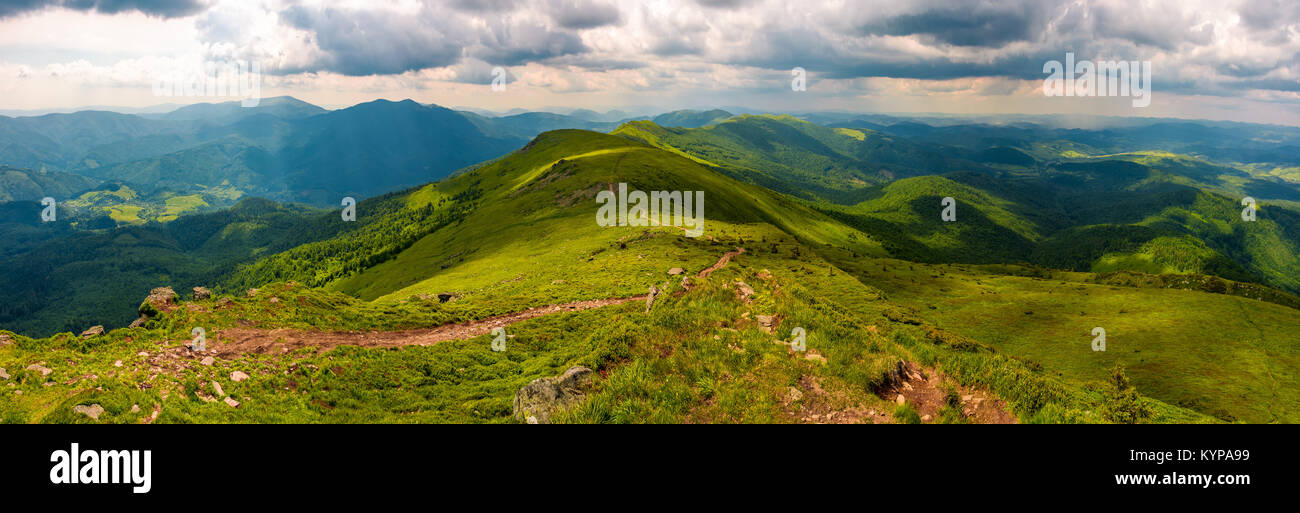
[699, 357]
[1231, 357]
[536, 219]
[789, 155]
[531, 230]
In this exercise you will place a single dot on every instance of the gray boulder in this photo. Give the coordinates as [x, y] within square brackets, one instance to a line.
[535, 402]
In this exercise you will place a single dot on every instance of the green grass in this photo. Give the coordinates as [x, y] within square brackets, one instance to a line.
[1227, 356]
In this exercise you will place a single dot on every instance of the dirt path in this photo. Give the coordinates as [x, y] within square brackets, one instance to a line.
[274, 341]
[237, 341]
[722, 262]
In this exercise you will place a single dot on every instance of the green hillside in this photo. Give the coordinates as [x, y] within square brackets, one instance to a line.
[386, 319]
[792, 156]
[700, 355]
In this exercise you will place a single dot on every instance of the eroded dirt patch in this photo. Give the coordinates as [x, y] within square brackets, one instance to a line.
[922, 389]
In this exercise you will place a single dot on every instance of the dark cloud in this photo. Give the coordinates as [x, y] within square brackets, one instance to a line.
[485, 6]
[376, 42]
[978, 24]
[1269, 14]
[161, 8]
[512, 44]
[676, 46]
[584, 14]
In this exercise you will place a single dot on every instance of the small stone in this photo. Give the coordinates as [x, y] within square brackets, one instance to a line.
[238, 376]
[3, 374]
[207, 360]
[45, 371]
[926, 418]
[93, 411]
[138, 322]
[532, 419]
[142, 354]
[216, 387]
[135, 408]
[232, 402]
[676, 271]
[251, 292]
[966, 398]
[201, 293]
[813, 356]
[743, 291]
[93, 331]
[117, 363]
[793, 394]
[900, 399]
[273, 300]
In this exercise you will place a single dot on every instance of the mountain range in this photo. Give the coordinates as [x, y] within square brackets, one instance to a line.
[834, 225]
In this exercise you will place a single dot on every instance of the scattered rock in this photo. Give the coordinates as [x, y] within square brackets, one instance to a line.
[543, 396]
[135, 408]
[224, 302]
[5, 340]
[966, 398]
[531, 419]
[161, 299]
[744, 291]
[676, 271]
[250, 292]
[238, 376]
[143, 354]
[768, 323]
[273, 300]
[216, 387]
[45, 371]
[3, 374]
[813, 356]
[793, 394]
[94, 331]
[650, 297]
[117, 363]
[93, 411]
[230, 401]
[157, 408]
[208, 360]
[926, 418]
[900, 399]
[201, 293]
[139, 322]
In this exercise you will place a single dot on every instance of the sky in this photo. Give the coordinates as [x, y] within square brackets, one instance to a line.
[1210, 59]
